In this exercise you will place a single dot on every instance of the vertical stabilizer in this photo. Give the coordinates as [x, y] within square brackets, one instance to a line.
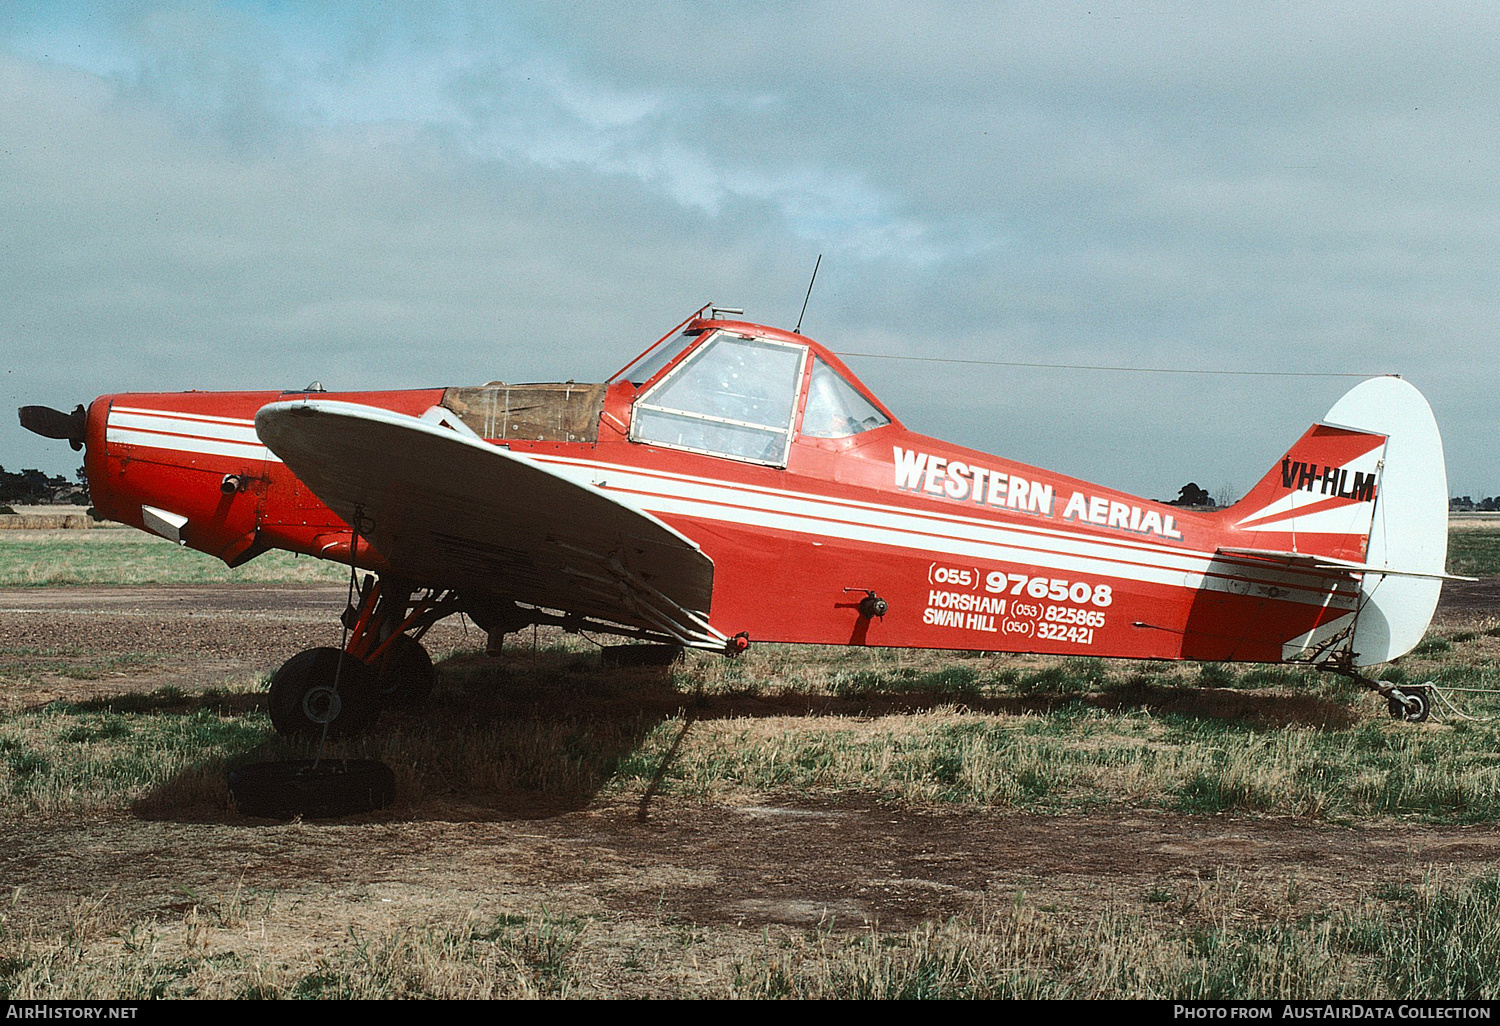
[1320, 499]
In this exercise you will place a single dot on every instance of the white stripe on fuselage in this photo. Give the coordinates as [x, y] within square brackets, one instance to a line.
[188, 433]
[202, 418]
[940, 535]
[934, 533]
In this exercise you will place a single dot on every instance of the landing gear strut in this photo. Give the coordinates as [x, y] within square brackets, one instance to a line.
[382, 663]
[1411, 703]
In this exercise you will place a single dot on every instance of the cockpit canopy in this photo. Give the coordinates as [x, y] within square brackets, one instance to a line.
[726, 389]
[731, 391]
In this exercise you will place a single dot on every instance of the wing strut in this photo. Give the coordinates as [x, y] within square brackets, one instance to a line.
[681, 624]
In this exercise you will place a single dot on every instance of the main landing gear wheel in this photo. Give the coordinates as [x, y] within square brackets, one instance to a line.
[304, 700]
[407, 676]
[1410, 704]
[334, 787]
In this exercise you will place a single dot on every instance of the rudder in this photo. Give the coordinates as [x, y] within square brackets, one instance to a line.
[1410, 529]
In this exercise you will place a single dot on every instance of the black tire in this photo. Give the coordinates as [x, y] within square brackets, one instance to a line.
[1414, 709]
[303, 696]
[337, 787]
[407, 678]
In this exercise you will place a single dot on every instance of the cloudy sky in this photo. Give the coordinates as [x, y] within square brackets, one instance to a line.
[254, 195]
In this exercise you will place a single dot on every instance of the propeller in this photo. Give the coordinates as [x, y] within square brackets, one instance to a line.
[50, 423]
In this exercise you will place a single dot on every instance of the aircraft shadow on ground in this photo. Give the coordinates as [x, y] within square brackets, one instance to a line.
[535, 735]
[168, 701]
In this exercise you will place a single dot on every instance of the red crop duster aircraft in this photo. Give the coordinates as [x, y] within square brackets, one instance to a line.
[734, 484]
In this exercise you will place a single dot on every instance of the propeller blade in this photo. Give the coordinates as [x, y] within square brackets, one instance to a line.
[50, 423]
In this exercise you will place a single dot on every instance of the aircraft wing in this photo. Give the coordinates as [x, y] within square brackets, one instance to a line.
[447, 509]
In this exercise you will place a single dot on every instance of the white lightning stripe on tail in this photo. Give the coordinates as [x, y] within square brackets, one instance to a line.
[1340, 520]
[1297, 498]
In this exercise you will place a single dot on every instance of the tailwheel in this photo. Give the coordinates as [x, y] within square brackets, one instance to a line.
[404, 675]
[1410, 704]
[323, 687]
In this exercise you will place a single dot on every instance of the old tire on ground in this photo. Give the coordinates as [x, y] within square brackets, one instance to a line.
[1415, 708]
[303, 697]
[336, 787]
[640, 655]
[407, 676]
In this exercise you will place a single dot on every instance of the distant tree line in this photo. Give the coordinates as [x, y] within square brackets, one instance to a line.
[1194, 494]
[31, 487]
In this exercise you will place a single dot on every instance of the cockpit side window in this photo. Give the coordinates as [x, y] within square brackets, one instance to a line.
[835, 408]
[733, 396]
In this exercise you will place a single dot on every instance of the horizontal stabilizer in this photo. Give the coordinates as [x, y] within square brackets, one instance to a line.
[1314, 562]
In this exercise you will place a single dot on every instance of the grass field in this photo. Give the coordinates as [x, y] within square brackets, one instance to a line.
[1474, 547]
[1069, 737]
[1247, 941]
[122, 556]
[556, 727]
[906, 732]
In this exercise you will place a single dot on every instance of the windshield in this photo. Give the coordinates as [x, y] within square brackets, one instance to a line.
[732, 397]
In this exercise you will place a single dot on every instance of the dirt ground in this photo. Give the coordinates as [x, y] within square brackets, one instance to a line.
[789, 861]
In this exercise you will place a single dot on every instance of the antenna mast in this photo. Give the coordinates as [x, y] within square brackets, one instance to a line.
[798, 329]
